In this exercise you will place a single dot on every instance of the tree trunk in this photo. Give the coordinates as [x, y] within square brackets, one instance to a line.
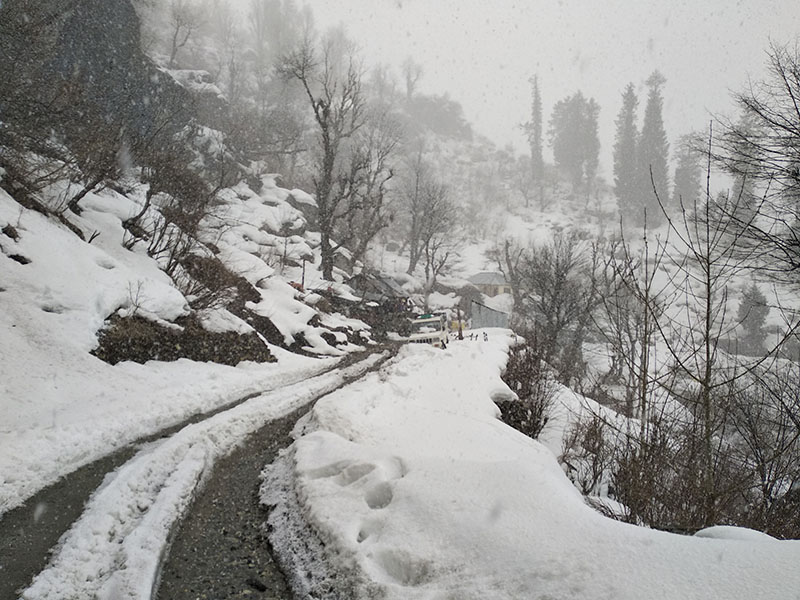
[327, 256]
[73, 204]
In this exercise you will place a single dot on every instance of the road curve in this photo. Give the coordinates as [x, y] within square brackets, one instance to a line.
[29, 535]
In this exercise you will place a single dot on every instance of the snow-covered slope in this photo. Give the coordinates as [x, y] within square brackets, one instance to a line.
[61, 407]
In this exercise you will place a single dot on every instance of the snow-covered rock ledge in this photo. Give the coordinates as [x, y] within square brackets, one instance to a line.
[411, 488]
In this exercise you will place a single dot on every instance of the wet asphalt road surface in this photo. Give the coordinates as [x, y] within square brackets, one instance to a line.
[28, 533]
[221, 550]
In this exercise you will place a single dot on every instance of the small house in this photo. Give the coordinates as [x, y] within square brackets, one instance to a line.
[490, 283]
[379, 288]
[483, 316]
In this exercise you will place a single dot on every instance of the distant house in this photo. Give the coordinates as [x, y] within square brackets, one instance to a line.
[380, 288]
[491, 283]
[483, 316]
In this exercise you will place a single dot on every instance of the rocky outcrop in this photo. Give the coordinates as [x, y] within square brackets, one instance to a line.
[139, 340]
[83, 69]
[99, 52]
[305, 204]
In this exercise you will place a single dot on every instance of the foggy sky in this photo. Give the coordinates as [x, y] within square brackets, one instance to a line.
[483, 52]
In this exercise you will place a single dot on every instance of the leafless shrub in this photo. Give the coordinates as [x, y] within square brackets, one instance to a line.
[588, 453]
[528, 375]
[559, 285]
[766, 418]
[135, 297]
[205, 281]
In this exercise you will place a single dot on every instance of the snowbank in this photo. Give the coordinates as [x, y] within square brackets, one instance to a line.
[413, 489]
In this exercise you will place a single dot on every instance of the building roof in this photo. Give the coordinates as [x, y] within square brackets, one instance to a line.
[377, 286]
[393, 286]
[489, 308]
[488, 278]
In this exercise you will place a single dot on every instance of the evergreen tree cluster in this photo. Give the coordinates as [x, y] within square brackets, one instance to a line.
[625, 151]
[573, 135]
[688, 172]
[641, 175]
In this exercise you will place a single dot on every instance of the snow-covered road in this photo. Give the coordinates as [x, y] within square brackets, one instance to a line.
[114, 550]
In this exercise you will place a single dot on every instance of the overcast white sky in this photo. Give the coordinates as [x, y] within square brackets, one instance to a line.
[483, 52]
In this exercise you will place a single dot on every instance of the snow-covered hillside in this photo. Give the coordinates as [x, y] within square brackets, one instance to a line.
[62, 407]
[217, 222]
[408, 481]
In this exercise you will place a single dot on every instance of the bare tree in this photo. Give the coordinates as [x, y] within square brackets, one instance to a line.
[509, 261]
[440, 241]
[413, 188]
[559, 287]
[431, 236]
[704, 260]
[371, 169]
[632, 304]
[412, 72]
[383, 84]
[99, 155]
[766, 416]
[331, 79]
[762, 150]
[525, 184]
[185, 19]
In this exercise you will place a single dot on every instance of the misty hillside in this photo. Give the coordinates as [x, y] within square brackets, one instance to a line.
[279, 317]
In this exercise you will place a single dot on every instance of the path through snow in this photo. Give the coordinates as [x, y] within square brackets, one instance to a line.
[114, 550]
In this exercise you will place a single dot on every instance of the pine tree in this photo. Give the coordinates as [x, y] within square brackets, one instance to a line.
[744, 182]
[591, 142]
[752, 315]
[653, 151]
[534, 130]
[573, 135]
[688, 172]
[625, 163]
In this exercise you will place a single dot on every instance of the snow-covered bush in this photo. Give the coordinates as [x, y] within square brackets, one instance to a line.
[529, 377]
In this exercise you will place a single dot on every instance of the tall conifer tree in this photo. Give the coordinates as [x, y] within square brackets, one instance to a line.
[653, 151]
[573, 135]
[688, 172]
[625, 162]
[535, 131]
[591, 144]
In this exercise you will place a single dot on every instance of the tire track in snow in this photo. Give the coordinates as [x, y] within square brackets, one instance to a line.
[221, 549]
[114, 549]
[29, 533]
